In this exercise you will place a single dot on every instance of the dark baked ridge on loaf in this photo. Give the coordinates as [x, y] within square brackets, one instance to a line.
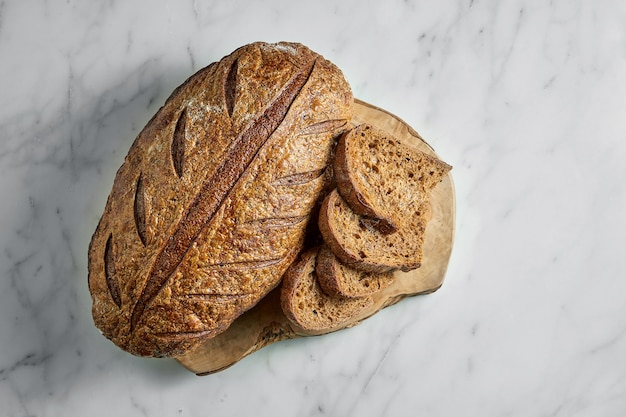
[380, 177]
[340, 280]
[213, 200]
[307, 306]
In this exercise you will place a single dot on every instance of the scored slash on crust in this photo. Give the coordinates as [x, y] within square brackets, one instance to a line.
[230, 87]
[245, 265]
[299, 178]
[214, 297]
[140, 210]
[178, 144]
[110, 275]
[325, 127]
[276, 222]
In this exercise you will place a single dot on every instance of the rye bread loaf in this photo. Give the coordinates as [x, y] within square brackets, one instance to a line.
[339, 280]
[212, 202]
[380, 178]
[307, 306]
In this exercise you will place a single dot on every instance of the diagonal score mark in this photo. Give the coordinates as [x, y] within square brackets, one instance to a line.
[276, 222]
[110, 273]
[324, 127]
[215, 297]
[298, 178]
[241, 265]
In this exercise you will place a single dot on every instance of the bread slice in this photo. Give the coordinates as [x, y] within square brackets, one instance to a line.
[363, 247]
[307, 306]
[381, 178]
[340, 280]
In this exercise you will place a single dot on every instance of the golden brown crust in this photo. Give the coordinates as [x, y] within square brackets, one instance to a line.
[212, 202]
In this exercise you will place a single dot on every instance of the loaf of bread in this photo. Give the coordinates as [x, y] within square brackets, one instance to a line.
[211, 204]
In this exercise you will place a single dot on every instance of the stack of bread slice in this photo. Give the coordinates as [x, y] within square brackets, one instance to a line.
[372, 224]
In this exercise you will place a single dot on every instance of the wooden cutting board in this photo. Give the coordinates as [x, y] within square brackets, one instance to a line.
[265, 323]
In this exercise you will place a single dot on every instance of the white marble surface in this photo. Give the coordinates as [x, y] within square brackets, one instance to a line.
[525, 98]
